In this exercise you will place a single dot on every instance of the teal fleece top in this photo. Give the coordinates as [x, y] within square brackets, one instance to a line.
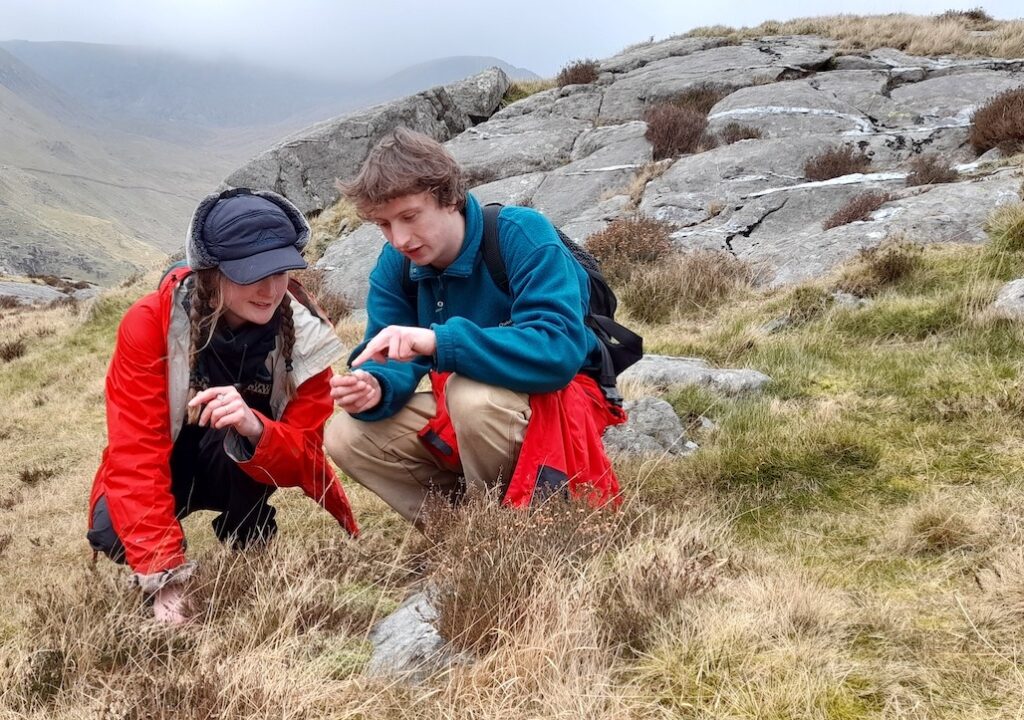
[532, 340]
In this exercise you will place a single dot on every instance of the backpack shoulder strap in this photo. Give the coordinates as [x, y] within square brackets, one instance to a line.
[491, 248]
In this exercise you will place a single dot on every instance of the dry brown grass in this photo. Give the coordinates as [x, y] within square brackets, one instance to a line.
[734, 132]
[312, 279]
[340, 218]
[873, 269]
[12, 349]
[1005, 227]
[858, 208]
[914, 34]
[684, 284]
[520, 89]
[936, 525]
[578, 72]
[999, 123]
[638, 185]
[930, 170]
[836, 162]
[628, 244]
[674, 130]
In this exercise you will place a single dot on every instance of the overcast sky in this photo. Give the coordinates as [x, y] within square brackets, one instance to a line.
[373, 37]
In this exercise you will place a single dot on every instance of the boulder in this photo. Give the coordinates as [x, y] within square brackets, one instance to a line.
[664, 372]
[406, 643]
[348, 261]
[653, 428]
[1010, 301]
[480, 95]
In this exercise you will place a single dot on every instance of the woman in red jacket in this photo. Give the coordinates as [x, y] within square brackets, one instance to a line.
[217, 394]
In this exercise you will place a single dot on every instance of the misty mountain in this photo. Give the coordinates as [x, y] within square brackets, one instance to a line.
[156, 92]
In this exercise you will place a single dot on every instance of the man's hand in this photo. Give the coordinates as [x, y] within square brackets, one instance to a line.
[355, 392]
[169, 605]
[225, 407]
[397, 342]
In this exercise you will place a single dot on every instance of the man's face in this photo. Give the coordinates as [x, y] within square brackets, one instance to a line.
[421, 229]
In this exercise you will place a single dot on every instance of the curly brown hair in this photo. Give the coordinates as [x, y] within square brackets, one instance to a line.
[405, 162]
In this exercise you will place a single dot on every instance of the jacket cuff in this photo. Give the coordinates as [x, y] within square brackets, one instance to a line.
[240, 448]
[174, 576]
[444, 350]
[382, 409]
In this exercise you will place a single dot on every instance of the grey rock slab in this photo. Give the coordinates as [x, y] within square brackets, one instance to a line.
[1010, 301]
[479, 95]
[731, 65]
[574, 102]
[406, 643]
[951, 99]
[867, 91]
[568, 191]
[515, 190]
[501, 148]
[596, 218]
[28, 293]
[305, 166]
[858, 62]
[790, 108]
[665, 371]
[652, 428]
[348, 261]
[639, 55]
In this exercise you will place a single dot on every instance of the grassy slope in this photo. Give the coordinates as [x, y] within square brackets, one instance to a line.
[863, 516]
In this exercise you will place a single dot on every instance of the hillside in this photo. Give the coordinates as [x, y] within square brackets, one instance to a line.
[842, 543]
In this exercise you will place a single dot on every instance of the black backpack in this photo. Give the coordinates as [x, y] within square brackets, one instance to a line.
[620, 346]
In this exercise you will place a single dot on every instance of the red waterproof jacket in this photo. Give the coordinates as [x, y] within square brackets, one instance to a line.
[562, 447]
[134, 472]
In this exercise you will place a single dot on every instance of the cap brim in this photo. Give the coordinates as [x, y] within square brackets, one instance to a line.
[246, 271]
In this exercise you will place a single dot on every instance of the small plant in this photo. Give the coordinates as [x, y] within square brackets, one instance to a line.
[684, 284]
[999, 123]
[836, 162]
[580, 72]
[934, 527]
[734, 132]
[859, 208]
[628, 244]
[673, 130]
[882, 266]
[701, 98]
[334, 305]
[930, 170]
[976, 18]
[12, 349]
[34, 476]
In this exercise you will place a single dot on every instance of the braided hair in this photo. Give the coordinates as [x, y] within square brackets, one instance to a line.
[206, 305]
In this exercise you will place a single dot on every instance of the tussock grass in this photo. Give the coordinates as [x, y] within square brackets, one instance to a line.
[683, 284]
[913, 34]
[881, 266]
[520, 89]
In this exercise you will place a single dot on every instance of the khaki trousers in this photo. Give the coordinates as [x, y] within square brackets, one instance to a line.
[388, 458]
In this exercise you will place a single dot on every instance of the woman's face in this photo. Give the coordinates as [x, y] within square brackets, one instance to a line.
[254, 303]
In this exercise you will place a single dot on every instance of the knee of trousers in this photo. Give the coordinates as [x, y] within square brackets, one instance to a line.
[344, 437]
[470, 400]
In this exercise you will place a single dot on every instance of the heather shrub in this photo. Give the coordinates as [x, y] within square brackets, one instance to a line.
[930, 170]
[8, 302]
[580, 72]
[999, 123]
[628, 244]
[674, 130]
[734, 132]
[975, 18]
[701, 98]
[488, 561]
[836, 162]
[12, 349]
[683, 284]
[858, 208]
[882, 266]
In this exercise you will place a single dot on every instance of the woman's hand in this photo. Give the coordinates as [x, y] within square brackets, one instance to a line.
[224, 407]
[169, 605]
[356, 391]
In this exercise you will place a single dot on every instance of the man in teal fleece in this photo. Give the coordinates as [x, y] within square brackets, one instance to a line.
[489, 352]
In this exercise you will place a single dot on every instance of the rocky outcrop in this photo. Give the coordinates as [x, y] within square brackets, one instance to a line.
[653, 428]
[305, 167]
[664, 372]
[574, 152]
